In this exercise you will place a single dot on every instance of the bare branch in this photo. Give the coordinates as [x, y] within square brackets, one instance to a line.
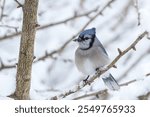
[128, 49]
[148, 74]
[144, 97]
[13, 27]
[19, 4]
[3, 66]
[91, 94]
[137, 11]
[127, 83]
[2, 10]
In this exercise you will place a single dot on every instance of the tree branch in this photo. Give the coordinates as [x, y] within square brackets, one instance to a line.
[137, 11]
[19, 4]
[148, 74]
[2, 10]
[145, 96]
[12, 27]
[3, 66]
[91, 94]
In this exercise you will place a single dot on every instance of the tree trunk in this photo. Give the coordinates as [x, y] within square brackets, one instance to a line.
[26, 54]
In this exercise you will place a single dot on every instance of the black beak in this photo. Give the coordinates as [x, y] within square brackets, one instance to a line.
[75, 40]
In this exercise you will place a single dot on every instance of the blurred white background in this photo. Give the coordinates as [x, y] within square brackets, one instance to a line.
[116, 28]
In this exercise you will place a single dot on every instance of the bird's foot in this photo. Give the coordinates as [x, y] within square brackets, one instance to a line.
[85, 81]
[99, 69]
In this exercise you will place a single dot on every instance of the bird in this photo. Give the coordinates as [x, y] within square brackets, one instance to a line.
[91, 56]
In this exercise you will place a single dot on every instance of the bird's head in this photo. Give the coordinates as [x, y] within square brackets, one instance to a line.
[86, 38]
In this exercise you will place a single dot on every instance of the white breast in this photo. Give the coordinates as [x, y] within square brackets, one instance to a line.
[87, 67]
[87, 61]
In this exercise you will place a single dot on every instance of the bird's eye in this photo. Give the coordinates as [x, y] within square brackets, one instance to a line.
[86, 38]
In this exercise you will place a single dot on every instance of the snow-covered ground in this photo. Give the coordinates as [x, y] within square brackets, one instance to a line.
[117, 28]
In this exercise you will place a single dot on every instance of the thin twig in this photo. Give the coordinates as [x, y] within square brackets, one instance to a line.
[145, 96]
[2, 10]
[148, 74]
[138, 13]
[13, 27]
[19, 4]
[91, 94]
[3, 66]
[127, 83]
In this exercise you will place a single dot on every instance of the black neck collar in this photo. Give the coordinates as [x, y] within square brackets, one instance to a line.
[91, 43]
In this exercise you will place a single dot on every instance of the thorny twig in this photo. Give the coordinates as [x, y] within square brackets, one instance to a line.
[100, 72]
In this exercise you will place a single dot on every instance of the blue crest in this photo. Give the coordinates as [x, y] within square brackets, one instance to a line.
[91, 31]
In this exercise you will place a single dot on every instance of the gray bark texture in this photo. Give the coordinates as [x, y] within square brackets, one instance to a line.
[26, 54]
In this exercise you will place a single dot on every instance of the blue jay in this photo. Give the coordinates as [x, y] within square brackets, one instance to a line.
[91, 55]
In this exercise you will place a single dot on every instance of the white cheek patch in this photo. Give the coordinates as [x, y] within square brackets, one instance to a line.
[84, 44]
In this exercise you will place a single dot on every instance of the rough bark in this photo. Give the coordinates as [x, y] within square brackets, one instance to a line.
[26, 54]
